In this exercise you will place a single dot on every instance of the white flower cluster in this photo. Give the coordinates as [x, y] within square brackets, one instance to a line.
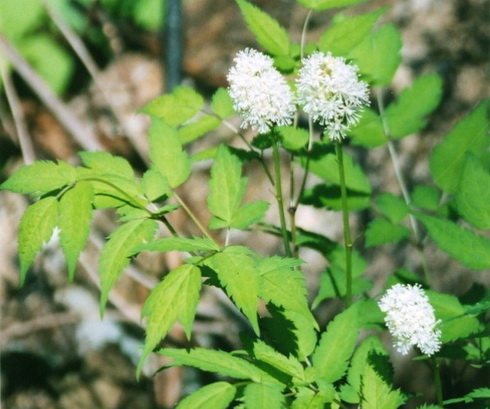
[261, 95]
[330, 91]
[410, 319]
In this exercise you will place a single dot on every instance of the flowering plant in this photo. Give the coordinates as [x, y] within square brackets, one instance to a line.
[309, 106]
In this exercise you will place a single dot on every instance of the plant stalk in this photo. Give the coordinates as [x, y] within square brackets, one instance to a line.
[438, 383]
[345, 219]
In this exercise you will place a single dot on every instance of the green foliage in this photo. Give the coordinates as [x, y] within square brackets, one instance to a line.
[426, 197]
[473, 195]
[407, 115]
[268, 32]
[180, 244]
[378, 55]
[376, 393]
[393, 207]
[345, 34]
[217, 395]
[293, 138]
[369, 132]
[263, 396]
[469, 135]
[222, 104]
[462, 244]
[382, 231]
[174, 298]
[36, 227]
[481, 393]
[319, 5]
[337, 343]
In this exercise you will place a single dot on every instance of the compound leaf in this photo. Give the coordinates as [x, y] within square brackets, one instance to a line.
[376, 393]
[104, 162]
[217, 395]
[263, 396]
[319, 5]
[180, 244]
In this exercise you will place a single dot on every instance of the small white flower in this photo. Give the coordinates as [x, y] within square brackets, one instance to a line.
[260, 93]
[410, 319]
[330, 91]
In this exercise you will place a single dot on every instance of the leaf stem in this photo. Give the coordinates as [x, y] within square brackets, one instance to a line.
[280, 202]
[345, 219]
[438, 383]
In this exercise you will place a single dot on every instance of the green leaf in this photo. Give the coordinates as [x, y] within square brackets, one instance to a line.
[407, 115]
[330, 197]
[237, 273]
[40, 178]
[175, 108]
[456, 324]
[324, 164]
[217, 361]
[117, 250]
[473, 195]
[469, 135]
[369, 132]
[293, 138]
[166, 153]
[393, 207]
[75, 214]
[222, 104]
[319, 5]
[336, 345]
[284, 285]
[462, 244]
[36, 228]
[149, 13]
[347, 33]
[263, 396]
[226, 187]
[382, 231]
[378, 55]
[308, 399]
[179, 244]
[217, 395]
[15, 21]
[376, 394]
[268, 31]
[249, 214]
[155, 185]
[426, 197]
[194, 130]
[175, 297]
[104, 162]
[289, 365]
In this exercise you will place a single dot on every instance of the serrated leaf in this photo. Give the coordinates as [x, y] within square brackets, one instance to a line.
[329, 196]
[469, 135]
[336, 345]
[308, 399]
[289, 365]
[248, 214]
[293, 138]
[324, 164]
[369, 131]
[239, 276]
[175, 108]
[75, 214]
[393, 207]
[407, 114]
[284, 286]
[349, 32]
[456, 324]
[376, 394]
[226, 186]
[268, 32]
[217, 395]
[117, 250]
[319, 5]
[175, 297]
[263, 396]
[36, 228]
[179, 244]
[217, 361]
[462, 244]
[154, 185]
[166, 153]
[473, 195]
[426, 197]
[378, 55]
[194, 130]
[382, 231]
[104, 162]
[222, 104]
[40, 178]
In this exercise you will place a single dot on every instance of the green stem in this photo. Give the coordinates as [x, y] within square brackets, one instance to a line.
[345, 219]
[438, 383]
[280, 203]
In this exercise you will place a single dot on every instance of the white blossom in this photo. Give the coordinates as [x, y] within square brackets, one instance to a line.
[329, 90]
[410, 319]
[260, 94]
